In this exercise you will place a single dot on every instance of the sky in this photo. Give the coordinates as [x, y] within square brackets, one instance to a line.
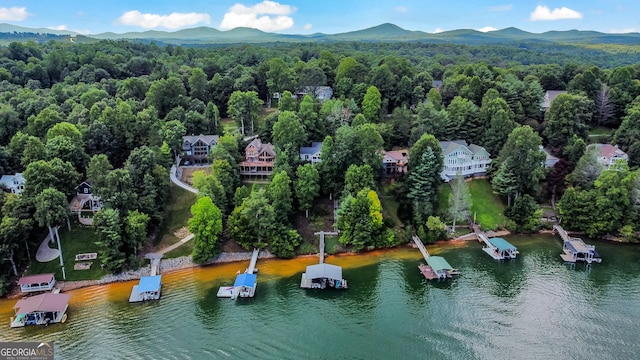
[323, 16]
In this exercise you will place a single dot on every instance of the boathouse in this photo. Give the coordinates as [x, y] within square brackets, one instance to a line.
[41, 309]
[245, 285]
[148, 288]
[501, 249]
[576, 250]
[35, 283]
[322, 276]
[437, 268]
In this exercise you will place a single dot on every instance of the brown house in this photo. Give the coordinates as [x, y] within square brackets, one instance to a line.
[259, 160]
[395, 162]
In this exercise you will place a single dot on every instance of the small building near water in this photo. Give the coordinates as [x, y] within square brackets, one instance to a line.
[576, 250]
[322, 276]
[501, 249]
[437, 268]
[148, 288]
[43, 309]
[36, 283]
[245, 285]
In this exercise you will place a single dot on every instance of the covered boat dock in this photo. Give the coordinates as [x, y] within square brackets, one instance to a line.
[322, 276]
[41, 309]
[500, 249]
[36, 283]
[149, 288]
[437, 268]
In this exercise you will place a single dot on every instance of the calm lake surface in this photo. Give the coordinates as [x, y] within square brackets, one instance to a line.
[534, 307]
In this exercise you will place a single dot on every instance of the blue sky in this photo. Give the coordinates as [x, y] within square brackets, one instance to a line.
[325, 16]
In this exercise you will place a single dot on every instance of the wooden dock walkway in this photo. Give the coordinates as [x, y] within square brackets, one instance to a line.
[252, 264]
[321, 245]
[562, 232]
[421, 247]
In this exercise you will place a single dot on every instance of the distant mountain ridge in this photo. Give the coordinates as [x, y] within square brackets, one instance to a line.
[382, 33]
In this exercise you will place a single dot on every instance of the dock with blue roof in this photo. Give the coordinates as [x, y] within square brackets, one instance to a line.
[245, 284]
[148, 288]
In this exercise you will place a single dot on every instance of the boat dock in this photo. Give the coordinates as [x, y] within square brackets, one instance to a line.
[497, 248]
[245, 284]
[436, 267]
[149, 287]
[322, 276]
[574, 249]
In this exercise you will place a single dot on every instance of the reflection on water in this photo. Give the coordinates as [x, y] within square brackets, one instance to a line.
[533, 307]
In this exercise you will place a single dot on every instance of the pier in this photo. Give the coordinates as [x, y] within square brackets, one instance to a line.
[322, 276]
[149, 287]
[436, 267]
[245, 284]
[574, 249]
[497, 248]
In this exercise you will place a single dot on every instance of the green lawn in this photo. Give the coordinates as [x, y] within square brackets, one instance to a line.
[229, 126]
[389, 204]
[177, 213]
[81, 239]
[600, 134]
[182, 250]
[487, 206]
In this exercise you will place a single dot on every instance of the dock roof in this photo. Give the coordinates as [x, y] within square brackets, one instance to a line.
[245, 279]
[42, 302]
[328, 271]
[149, 283]
[501, 244]
[438, 263]
[578, 246]
[35, 279]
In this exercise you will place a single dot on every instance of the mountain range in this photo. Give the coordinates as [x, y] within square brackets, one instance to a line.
[381, 33]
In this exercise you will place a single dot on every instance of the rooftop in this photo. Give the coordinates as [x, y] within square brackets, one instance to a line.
[320, 271]
[149, 283]
[245, 279]
[315, 148]
[42, 302]
[502, 244]
[438, 263]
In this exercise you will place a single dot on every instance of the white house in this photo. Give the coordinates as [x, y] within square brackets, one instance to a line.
[459, 157]
[549, 96]
[609, 154]
[13, 183]
[550, 160]
[311, 153]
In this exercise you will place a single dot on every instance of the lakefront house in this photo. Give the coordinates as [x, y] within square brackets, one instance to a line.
[259, 160]
[395, 162]
[13, 183]
[196, 148]
[311, 153]
[608, 154]
[460, 157]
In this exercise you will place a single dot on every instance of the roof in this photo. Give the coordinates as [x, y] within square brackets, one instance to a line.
[550, 95]
[43, 302]
[476, 148]
[245, 280]
[207, 139]
[449, 146]
[328, 271]
[501, 244]
[315, 148]
[35, 279]
[609, 151]
[149, 283]
[576, 245]
[9, 179]
[438, 263]
[268, 147]
[397, 155]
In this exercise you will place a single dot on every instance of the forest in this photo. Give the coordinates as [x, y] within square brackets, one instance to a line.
[114, 113]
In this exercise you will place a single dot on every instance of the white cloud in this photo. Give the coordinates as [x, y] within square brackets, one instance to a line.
[308, 26]
[401, 9]
[500, 8]
[13, 13]
[58, 27]
[487, 29]
[265, 16]
[171, 21]
[624, 31]
[542, 13]
[437, 30]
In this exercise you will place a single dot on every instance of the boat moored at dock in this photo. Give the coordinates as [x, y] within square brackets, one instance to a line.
[43, 309]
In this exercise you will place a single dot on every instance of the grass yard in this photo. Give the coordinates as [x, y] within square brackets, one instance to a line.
[183, 250]
[81, 239]
[389, 204]
[600, 134]
[229, 126]
[487, 206]
[177, 213]
[444, 192]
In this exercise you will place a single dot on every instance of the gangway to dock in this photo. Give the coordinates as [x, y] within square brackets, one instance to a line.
[252, 264]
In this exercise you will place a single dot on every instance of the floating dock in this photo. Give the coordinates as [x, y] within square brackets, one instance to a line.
[321, 275]
[574, 249]
[245, 284]
[43, 309]
[497, 248]
[149, 287]
[436, 267]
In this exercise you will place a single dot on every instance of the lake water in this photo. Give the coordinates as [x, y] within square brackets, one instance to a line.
[534, 307]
